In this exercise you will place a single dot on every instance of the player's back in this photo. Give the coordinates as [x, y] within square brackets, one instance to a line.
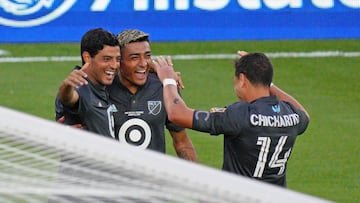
[267, 132]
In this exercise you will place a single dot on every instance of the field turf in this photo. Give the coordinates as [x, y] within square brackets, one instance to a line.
[325, 160]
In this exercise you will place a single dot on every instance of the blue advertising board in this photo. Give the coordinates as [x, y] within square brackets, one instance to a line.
[33, 21]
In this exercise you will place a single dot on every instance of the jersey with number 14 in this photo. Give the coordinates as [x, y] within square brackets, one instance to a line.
[258, 136]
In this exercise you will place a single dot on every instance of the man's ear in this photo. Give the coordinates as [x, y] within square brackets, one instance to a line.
[86, 56]
[243, 80]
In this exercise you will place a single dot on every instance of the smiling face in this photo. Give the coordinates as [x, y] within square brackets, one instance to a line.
[103, 65]
[134, 64]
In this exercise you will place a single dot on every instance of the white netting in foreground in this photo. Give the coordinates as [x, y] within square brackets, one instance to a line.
[42, 161]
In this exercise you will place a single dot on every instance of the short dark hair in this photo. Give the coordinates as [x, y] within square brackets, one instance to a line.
[256, 67]
[94, 40]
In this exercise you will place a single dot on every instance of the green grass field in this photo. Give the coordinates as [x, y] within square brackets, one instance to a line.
[324, 162]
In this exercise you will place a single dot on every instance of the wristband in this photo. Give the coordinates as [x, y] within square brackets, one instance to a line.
[271, 84]
[169, 81]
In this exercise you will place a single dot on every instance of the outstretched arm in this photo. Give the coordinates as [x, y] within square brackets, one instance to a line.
[176, 108]
[67, 94]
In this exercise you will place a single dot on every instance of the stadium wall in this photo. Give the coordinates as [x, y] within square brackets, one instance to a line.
[180, 20]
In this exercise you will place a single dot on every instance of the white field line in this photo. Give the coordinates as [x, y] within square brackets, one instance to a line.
[314, 54]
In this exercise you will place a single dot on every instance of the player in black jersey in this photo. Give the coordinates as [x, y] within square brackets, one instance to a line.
[133, 99]
[138, 97]
[82, 96]
[259, 130]
[82, 99]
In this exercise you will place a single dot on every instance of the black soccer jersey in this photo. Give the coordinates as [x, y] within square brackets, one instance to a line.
[71, 117]
[141, 117]
[94, 111]
[258, 136]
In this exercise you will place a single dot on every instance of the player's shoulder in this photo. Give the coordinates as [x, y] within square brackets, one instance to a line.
[77, 67]
[153, 77]
[234, 107]
[115, 85]
[90, 91]
[239, 105]
[238, 108]
[153, 81]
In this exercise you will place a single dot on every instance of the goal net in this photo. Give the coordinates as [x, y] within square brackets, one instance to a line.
[43, 161]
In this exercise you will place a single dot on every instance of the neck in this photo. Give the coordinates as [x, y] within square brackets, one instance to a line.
[128, 84]
[256, 92]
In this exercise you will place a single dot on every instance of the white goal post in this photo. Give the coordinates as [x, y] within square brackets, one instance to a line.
[41, 160]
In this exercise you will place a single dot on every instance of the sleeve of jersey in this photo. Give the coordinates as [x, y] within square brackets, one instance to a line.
[84, 99]
[59, 109]
[304, 120]
[215, 122]
[72, 117]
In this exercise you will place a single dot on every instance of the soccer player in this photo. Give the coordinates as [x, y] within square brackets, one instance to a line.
[138, 96]
[259, 129]
[83, 93]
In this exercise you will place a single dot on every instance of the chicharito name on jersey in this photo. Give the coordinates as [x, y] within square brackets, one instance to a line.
[276, 121]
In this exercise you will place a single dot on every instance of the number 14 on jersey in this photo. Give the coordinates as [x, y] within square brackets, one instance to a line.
[275, 161]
